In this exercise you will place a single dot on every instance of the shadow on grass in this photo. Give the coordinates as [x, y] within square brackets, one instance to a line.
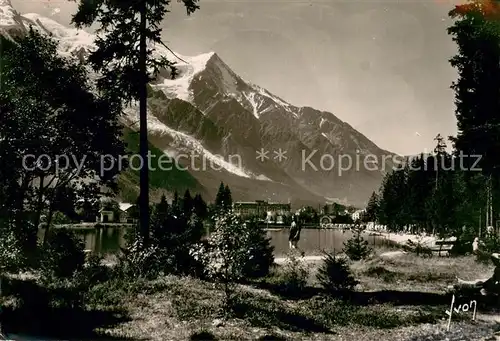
[55, 312]
[61, 323]
[203, 336]
[267, 313]
[284, 291]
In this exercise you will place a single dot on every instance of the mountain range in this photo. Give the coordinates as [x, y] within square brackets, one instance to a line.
[220, 127]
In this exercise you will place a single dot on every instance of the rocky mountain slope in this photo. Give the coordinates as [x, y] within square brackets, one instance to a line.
[216, 125]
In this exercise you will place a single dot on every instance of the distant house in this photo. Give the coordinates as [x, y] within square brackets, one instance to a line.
[106, 216]
[124, 214]
[127, 213]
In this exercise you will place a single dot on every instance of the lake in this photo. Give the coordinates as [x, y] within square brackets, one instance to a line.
[108, 240]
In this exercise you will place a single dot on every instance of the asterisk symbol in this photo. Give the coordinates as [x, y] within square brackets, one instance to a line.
[262, 155]
[280, 155]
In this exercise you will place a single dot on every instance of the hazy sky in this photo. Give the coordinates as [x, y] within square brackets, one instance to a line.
[382, 66]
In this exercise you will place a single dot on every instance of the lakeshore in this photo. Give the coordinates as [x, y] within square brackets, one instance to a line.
[109, 238]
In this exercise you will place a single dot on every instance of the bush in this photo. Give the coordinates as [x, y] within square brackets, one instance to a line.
[260, 251]
[226, 252]
[335, 276]
[356, 248]
[11, 257]
[463, 245]
[63, 255]
[292, 279]
[93, 273]
[136, 261]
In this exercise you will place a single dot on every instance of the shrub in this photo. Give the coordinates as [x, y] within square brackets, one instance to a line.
[260, 251]
[137, 261]
[94, 272]
[335, 276]
[356, 248]
[226, 251]
[463, 244]
[63, 255]
[292, 279]
[11, 257]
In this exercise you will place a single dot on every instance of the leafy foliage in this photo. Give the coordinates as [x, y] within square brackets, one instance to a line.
[138, 261]
[63, 255]
[48, 108]
[292, 279]
[227, 251]
[11, 257]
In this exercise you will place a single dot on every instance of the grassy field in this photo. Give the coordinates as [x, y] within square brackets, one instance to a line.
[400, 297]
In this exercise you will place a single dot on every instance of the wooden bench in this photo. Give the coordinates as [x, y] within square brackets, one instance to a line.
[447, 244]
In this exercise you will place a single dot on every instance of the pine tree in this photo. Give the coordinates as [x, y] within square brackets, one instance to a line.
[476, 31]
[421, 185]
[187, 204]
[260, 251]
[200, 206]
[335, 276]
[356, 248]
[176, 207]
[371, 213]
[220, 197]
[124, 59]
[160, 213]
[477, 35]
[228, 200]
[394, 205]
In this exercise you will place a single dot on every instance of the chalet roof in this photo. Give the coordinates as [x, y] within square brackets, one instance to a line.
[124, 206]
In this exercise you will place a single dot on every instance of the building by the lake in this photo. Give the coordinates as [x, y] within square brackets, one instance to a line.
[125, 213]
[261, 208]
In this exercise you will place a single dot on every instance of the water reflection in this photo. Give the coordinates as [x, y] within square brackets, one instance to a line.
[108, 240]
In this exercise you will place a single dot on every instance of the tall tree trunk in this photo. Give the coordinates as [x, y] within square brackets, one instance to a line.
[39, 203]
[21, 228]
[143, 133]
[49, 222]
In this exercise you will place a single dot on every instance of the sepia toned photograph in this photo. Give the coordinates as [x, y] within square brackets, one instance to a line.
[309, 170]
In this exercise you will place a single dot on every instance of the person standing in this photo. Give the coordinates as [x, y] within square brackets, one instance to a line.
[294, 236]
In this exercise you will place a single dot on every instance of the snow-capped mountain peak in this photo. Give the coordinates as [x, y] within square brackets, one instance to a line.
[187, 68]
[209, 111]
